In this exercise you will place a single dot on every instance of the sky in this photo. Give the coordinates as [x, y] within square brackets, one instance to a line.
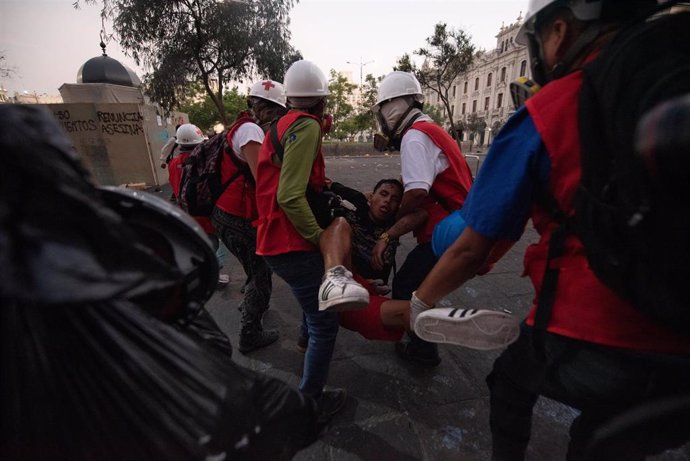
[46, 41]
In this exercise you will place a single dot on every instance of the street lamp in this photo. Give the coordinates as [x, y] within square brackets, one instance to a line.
[361, 68]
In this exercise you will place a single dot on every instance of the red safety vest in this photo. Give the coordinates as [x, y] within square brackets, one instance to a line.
[239, 198]
[584, 308]
[275, 233]
[175, 171]
[450, 188]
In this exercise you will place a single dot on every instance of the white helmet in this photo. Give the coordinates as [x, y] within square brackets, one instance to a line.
[270, 90]
[397, 84]
[584, 10]
[189, 135]
[304, 79]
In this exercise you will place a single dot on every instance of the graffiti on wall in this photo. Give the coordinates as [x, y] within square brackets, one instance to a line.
[128, 123]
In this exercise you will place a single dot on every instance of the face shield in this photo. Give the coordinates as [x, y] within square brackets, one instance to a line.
[529, 36]
[584, 11]
[536, 59]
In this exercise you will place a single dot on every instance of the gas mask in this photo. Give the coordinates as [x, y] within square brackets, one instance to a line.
[390, 116]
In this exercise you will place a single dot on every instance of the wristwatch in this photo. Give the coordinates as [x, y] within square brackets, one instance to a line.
[385, 237]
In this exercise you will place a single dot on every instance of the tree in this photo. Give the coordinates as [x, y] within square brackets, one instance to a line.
[449, 54]
[475, 125]
[405, 64]
[437, 115]
[496, 127]
[369, 93]
[204, 113]
[6, 71]
[339, 105]
[207, 41]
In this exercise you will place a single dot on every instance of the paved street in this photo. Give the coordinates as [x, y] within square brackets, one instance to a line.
[396, 411]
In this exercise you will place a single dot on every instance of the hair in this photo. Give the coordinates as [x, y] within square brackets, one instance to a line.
[265, 110]
[391, 181]
[310, 104]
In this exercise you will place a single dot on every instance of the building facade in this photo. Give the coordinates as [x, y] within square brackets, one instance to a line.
[483, 91]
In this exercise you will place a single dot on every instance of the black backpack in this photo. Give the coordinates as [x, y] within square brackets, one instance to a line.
[200, 184]
[631, 217]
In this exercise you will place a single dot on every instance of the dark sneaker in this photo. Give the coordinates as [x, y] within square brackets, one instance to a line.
[302, 343]
[257, 340]
[417, 351]
[331, 402]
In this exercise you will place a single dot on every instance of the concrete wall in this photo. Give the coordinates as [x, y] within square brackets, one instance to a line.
[354, 149]
[118, 142]
[349, 149]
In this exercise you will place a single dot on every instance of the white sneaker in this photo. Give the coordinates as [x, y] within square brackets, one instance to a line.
[339, 292]
[223, 279]
[474, 328]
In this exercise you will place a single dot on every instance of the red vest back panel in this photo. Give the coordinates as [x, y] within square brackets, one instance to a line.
[239, 198]
[584, 308]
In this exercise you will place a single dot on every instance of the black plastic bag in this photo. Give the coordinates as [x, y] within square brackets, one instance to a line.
[89, 371]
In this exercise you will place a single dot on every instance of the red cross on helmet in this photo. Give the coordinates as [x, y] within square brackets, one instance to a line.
[189, 135]
[270, 90]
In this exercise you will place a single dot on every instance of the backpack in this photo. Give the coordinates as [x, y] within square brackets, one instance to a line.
[631, 218]
[200, 185]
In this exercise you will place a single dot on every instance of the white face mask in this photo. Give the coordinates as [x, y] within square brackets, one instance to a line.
[392, 111]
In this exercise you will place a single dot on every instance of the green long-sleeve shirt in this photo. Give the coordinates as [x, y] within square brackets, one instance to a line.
[301, 140]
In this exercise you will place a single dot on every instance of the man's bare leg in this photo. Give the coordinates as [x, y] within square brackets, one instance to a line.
[335, 244]
[339, 291]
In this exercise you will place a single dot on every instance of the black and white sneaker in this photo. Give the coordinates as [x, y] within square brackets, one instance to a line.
[474, 328]
[339, 292]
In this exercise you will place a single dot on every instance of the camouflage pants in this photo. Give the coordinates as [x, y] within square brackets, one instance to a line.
[240, 237]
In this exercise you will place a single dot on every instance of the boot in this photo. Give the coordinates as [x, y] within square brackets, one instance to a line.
[416, 350]
[252, 334]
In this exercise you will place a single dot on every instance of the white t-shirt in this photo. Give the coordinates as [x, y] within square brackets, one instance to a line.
[245, 133]
[421, 160]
